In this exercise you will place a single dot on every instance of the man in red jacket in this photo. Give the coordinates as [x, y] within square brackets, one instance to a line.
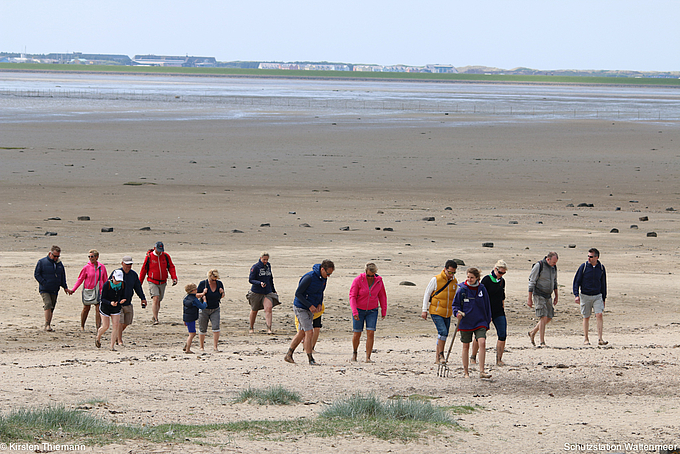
[157, 264]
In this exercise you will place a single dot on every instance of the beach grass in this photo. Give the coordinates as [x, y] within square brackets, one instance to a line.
[402, 420]
[274, 395]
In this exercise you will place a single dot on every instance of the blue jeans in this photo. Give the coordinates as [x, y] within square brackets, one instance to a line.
[501, 325]
[442, 325]
[370, 317]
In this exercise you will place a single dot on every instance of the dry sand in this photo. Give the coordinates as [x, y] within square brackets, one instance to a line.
[205, 179]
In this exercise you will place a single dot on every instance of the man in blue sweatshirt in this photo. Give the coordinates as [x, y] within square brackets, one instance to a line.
[308, 301]
[50, 274]
[591, 280]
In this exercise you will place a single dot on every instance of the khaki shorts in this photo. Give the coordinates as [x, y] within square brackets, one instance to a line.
[466, 336]
[256, 300]
[49, 301]
[126, 314]
[544, 306]
[157, 290]
[590, 303]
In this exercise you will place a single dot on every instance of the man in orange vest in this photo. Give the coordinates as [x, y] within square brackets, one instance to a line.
[438, 301]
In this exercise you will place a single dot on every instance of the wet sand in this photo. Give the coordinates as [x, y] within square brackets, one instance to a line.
[194, 183]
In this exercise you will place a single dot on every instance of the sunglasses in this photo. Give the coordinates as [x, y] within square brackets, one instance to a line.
[500, 272]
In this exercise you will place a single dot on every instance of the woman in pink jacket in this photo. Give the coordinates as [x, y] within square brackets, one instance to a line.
[366, 293]
[92, 276]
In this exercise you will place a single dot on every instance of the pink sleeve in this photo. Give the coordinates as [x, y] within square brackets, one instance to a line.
[353, 292]
[382, 297]
[81, 278]
[103, 277]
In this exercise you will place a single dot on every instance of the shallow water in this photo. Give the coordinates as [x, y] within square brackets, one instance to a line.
[30, 97]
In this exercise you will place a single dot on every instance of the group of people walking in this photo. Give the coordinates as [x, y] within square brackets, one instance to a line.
[474, 303]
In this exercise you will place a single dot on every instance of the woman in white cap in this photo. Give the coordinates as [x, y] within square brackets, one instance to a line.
[113, 295]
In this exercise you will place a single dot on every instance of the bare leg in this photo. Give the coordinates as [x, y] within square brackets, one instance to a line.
[253, 316]
[48, 319]
[475, 349]
[482, 354]
[201, 340]
[542, 323]
[115, 321]
[440, 350]
[120, 333]
[299, 337]
[600, 326]
[586, 327]
[216, 340]
[102, 329]
[267, 303]
[356, 337]
[155, 307]
[97, 316]
[315, 337]
[466, 352]
[309, 339]
[500, 348]
[370, 337]
[190, 339]
[83, 316]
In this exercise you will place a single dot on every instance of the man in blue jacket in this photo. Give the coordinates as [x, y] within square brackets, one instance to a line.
[308, 301]
[591, 280]
[50, 274]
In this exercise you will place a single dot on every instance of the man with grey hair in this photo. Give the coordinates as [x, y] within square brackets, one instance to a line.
[543, 283]
[132, 285]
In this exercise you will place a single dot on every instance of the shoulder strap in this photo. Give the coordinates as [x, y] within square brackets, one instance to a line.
[440, 290]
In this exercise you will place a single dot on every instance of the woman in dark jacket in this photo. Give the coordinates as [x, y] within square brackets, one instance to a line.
[212, 290]
[262, 294]
[495, 286]
[112, 297]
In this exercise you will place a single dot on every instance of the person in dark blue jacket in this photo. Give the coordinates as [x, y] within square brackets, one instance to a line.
[591, 281]
[191, 306]
[262, 294]
[50, 274]
[309, 300]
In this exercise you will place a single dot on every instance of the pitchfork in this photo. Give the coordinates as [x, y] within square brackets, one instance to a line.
[443, 368]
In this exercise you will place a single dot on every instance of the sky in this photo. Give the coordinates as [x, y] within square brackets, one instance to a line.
[540, 34]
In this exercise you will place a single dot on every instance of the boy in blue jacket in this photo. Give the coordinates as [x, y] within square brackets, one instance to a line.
[191, 307]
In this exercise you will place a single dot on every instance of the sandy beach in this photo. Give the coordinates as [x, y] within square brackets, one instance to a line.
[306, 186]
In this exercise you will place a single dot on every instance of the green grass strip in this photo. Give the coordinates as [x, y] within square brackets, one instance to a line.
[506, 78]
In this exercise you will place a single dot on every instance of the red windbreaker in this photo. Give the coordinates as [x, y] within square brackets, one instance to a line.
[155, 268]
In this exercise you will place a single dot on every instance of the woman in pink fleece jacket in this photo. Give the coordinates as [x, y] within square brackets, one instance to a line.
[366, 293]
[93, 275]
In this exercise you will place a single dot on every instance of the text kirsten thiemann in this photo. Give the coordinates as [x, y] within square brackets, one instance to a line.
[40, 447]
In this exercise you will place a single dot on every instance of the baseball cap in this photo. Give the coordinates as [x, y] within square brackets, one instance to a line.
[127, 260]
[118, 275]
[159, 246]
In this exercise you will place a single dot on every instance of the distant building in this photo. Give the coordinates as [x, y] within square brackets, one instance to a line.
[92, 59]
[166, 60]
[441, 69]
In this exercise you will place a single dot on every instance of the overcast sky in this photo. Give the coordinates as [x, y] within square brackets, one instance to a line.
[540, 34]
